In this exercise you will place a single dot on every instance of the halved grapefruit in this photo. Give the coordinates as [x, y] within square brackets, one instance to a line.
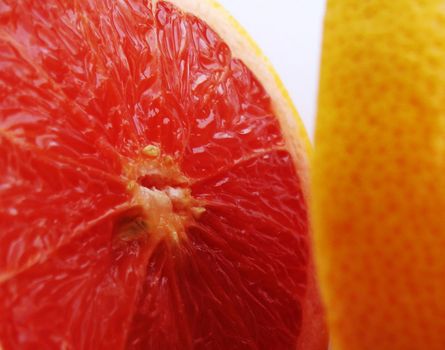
[152, 185]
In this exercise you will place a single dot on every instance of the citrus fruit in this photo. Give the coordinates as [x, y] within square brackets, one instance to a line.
[153, 183]
[378, 174]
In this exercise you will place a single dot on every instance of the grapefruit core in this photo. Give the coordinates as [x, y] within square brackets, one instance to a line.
[153, 183]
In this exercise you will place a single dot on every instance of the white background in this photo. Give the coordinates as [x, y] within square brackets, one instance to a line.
[289, 33]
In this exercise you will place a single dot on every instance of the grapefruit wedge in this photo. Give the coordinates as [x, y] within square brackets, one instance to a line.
[153, 183]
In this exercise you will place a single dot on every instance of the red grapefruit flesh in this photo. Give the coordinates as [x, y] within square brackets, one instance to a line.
[147, 196]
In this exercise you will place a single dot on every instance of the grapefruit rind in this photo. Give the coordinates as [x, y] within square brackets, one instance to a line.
[378, 194]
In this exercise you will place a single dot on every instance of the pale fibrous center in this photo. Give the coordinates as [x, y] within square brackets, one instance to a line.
[161, 199]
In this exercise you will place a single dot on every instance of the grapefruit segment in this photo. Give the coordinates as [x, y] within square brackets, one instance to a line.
[48, 202]
[49, 74]
[220, 112]
[80, 297]
[156, 203]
